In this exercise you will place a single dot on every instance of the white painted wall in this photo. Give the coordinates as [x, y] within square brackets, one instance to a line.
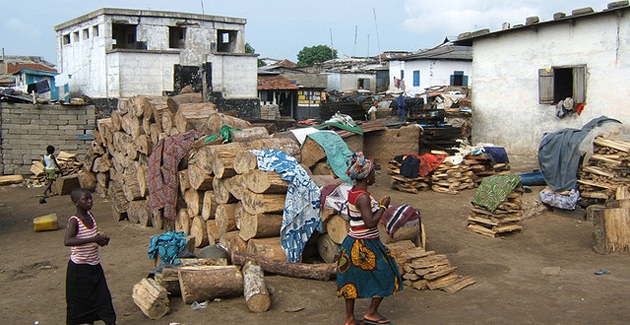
[140, 73]
[349, 81]
[432, 73]
[505, 96]
[235, 75]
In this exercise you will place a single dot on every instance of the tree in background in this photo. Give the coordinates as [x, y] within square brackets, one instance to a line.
[250, 49]
[314, 54]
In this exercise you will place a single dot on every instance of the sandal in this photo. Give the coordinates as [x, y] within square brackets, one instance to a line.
[380, 321]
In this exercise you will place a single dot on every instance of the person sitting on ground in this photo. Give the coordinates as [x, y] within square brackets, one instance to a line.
[50, 168]
[365, 268]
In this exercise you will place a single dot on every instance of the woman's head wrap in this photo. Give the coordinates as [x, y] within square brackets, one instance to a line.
[359, 167]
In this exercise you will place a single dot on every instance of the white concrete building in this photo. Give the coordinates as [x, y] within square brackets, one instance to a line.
[446, 64]
[114, 53]
[522, 72]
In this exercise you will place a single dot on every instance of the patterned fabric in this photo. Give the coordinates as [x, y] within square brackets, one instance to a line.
[86, 253]
[168, 246]
[358, 229]
[162, 170]
[557, 200]
[359, 167]
[494, 189]
[338, 200]
[396, 216]
[300, 217]
[366, 269]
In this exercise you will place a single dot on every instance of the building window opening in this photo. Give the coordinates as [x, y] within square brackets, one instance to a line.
[176, 37]
[124, 36]
[226, 40]
[556, 84]
[75, 36]
[86, 33]
[363, 84]
[459, 79]
[66, 39]
[95, 31]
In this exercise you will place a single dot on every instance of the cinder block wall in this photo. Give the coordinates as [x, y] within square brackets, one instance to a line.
[26, 130]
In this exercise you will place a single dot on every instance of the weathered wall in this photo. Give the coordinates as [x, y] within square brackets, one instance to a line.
[385, 145]
[349, 81]
[235, 75]
[140, 73]
[27, 129]
[505, 68]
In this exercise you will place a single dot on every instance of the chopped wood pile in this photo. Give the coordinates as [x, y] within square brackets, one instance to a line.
[424, 270]
[505, 218]
[606, 170]
[448, 178]
[68, 162]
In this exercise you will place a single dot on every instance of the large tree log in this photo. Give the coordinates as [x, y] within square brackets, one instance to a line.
[199, 283]
[236, 186]
[225, 217]
[144, 144]
[267, 247]
[221, 193]
[194, 201]
[250, 134]
[199, 231]
[142, 178]
[322, 272]
[233, 242]
[217, 120]
[337, 228]
[156, 131]
[116, 120]
[105, 129]
[182, 221]
[616, 228]
[255, 288]
[263, 203]
[259, 181]
[184, 98]
[223, 162]
[408, 231]
[259, 225]
[213, 231]
[117, 197]
[209, 206]
[132, 186]
[193, 116]
[199, 178]
[139, 212]
[151, 298]
[131, 125]
[156, 218]
[244, 162]
[312, 153]
[184, 180]
[287, 145]
[102, 164]
[327, 248]
[167, 121]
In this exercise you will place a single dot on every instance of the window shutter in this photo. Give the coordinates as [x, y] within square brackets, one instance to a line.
[579, 84]
[416, 78]
[545, 86]
[452, 80]
[465, 81]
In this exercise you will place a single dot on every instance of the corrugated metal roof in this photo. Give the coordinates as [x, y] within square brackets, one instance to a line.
[274, 82]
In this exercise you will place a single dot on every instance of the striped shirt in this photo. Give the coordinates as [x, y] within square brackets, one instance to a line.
[358, 229]
[88, 252]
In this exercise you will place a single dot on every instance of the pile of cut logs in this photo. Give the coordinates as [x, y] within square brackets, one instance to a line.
[406, 184]
[423, 269]
[607, 169]
[505, 218]
[68, 162]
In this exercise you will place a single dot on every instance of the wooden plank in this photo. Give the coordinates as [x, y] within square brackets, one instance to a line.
[11, 179]
[459, 284]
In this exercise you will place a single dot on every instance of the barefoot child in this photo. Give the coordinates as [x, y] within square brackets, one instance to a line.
[87, 295]
[50, 168]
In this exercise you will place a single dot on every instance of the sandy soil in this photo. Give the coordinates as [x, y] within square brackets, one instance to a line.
[511, 286]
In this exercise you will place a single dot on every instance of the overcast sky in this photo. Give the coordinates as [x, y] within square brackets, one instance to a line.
[279, 29]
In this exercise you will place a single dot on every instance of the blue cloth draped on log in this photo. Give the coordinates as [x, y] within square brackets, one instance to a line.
[168, 246]
[300, 217]
[337, 152]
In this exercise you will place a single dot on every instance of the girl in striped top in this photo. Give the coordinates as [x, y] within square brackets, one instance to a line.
[366, 268]
[87, 295]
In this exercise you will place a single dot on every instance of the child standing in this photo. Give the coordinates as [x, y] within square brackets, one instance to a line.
[50, 168]
[87, 295]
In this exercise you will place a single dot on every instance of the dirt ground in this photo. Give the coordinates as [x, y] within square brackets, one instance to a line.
[511, 287]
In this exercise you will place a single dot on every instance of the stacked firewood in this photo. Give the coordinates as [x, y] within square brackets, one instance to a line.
[423, 269]
[68, 162]
[505, 218]
[406, 184]
[607, 169]
[482, 166]
[452, 178]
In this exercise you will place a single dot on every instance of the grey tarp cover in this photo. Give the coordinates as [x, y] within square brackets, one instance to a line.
[559, 157]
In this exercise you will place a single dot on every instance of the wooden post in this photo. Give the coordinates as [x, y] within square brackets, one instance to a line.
[255, 288]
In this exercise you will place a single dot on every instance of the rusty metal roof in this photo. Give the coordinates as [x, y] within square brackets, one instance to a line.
[275, 82]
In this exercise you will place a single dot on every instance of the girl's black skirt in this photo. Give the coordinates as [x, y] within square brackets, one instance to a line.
[87, 295]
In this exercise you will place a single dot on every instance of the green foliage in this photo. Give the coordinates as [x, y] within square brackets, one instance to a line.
[250, 49]
[314, 54]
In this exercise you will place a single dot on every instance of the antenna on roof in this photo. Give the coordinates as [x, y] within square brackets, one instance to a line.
[368, 48]
[378, 43]
[202, 11]
[355, 39]
[332, 47]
